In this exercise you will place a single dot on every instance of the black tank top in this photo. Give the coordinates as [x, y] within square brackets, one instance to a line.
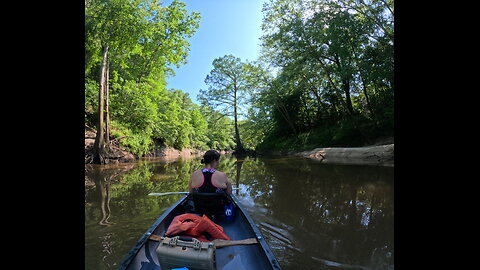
[207, 185]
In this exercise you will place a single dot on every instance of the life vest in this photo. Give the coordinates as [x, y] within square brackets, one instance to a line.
[195, 226]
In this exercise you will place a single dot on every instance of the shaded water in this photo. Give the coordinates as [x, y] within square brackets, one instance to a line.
[313, 215]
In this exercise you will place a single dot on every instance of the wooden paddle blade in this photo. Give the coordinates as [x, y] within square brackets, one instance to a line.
[154, 237]
[225, 243]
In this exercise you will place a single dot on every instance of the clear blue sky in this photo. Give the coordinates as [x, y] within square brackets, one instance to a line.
[226, 27]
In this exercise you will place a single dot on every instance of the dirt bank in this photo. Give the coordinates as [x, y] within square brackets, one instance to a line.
[170, 152]
[382, 155]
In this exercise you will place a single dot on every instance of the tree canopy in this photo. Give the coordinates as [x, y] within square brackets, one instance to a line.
[324, 78]
[230, 85]
[334, 69]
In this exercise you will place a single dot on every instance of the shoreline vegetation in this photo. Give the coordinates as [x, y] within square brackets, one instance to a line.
[322, 88]
[380, 154]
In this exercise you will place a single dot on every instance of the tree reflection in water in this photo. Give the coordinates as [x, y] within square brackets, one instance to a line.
[313, 215]
[335, 214]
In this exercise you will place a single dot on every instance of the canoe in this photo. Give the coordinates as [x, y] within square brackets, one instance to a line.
[143, 255]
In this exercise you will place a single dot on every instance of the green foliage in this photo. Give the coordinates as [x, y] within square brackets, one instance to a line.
[148, 112]
[198, 137]
[134, 104]
[352, 132]
[91, 102]
[325, 77]
[137, 142]
[232, 84]
[220, 129]
[144, 38]
[334, 72]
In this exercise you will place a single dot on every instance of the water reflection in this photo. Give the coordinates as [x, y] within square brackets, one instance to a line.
[102, 181]
[314, 216]
[339, 215]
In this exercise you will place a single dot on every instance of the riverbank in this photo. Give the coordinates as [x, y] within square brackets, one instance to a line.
[115, 153]
[381, 153]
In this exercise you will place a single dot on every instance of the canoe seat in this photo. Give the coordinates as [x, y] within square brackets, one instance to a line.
[209, 203]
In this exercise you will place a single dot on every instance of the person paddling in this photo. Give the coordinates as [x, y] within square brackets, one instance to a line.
[209, 179]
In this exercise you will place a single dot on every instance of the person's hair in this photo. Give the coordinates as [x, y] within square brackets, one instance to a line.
[210, 156]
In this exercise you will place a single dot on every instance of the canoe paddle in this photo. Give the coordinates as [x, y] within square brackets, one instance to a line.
[218, 242]
[226, 243]
[170, 193]
[167, 193]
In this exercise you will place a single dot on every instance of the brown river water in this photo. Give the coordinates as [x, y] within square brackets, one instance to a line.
[313, 215]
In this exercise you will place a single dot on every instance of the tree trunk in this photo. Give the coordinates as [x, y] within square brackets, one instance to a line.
[318, 114]
[367, 98]
[107, 114]
[346, 89]
[332, 83]
[99, 145]
[345, 86]
[238, 142]
[284, 113]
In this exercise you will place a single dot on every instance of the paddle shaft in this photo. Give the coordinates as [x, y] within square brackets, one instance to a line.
[225, 243]
[170, 193]
[167, 193]
[218, 242]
